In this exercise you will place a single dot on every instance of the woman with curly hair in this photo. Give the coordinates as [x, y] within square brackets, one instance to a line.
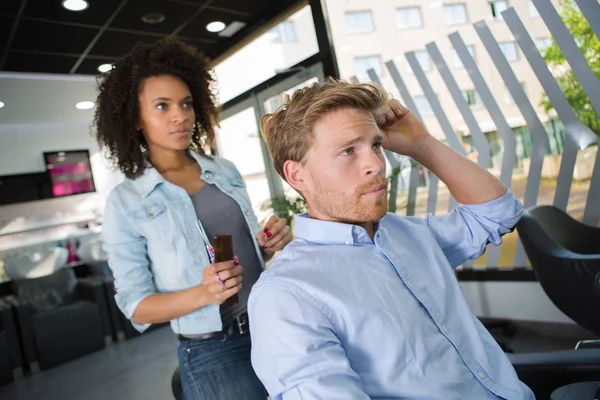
[156, 113]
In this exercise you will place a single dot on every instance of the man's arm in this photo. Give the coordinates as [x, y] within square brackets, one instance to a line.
[489, 209]
[295, 351]
[468, 182]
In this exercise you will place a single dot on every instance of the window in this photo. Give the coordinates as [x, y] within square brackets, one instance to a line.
[423, 106]
[408, 18]
[532, 10]
[285, 32]
[472, 98]
[423, 59]
[456, 59]
[508, 96]
[455, 14]
[359, 22]
[497, 8]
[510, 50]
[363, 64]
[543, 43]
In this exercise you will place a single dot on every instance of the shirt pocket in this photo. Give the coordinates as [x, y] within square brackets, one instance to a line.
[152, 222]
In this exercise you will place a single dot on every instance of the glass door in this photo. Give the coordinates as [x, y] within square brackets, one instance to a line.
[239, 139]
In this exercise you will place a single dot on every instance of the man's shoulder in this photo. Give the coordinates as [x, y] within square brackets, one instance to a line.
[404, 222]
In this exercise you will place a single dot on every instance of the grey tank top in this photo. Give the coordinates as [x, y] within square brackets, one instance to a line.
[222, 215]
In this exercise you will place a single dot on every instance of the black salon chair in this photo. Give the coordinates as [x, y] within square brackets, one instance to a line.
[60, 318]
[11, 361]
[543, 373]
[565, 256]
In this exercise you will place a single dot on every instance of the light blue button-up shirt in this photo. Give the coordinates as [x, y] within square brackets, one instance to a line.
[339, 316]
[154, 243]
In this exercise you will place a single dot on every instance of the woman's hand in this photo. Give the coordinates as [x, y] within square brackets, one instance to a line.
[221, 281]
[275, 235]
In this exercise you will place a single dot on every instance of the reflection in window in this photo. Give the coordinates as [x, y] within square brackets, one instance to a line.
[456, 61]
[510, 50]
[423, 59]
[532, 10]
[472, 98]
[277, 49]
[363, 64]
[455, 14]
[497, 7]
[423, 106]
[285, 32]
[543, 43]
[408, 18]
[359, 22]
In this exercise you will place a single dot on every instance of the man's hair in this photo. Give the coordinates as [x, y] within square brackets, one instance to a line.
[288, 131]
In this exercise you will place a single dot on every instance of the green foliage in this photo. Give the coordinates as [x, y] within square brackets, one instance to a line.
[590, 47]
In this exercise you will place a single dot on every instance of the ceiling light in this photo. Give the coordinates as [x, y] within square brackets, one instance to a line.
[216, 26]
[105, 67]
[153, 18]
[75, 5]
[1, 104]
[84, 105]
[232, 29]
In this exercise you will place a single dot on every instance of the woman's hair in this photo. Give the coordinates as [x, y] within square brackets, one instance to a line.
[117, 109]
[288, 131]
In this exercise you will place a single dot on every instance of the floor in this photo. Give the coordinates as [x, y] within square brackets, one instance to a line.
[141, 369]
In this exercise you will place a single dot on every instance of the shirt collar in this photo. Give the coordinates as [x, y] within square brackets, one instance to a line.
[328, 232]
[151, 178]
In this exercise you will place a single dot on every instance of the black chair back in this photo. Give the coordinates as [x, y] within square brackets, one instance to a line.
[565, 255]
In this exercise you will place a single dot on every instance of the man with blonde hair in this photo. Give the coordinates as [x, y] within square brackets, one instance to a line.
[364, 304]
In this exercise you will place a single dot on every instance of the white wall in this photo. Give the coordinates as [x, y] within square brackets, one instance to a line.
[524, 301]
[21, 151]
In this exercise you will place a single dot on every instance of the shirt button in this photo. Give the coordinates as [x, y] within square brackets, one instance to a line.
[409, 284]
[347, 243]
[481, 375]
[444, 328]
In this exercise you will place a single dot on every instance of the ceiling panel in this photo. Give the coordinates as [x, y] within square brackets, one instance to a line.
[197, 27]
[175, 14]
[97, 13]
[117, 44]
[89, 66]
[6, 24]
[10, 6]
[49, 37]
[23, 62]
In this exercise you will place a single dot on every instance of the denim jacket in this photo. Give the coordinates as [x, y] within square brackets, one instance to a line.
[154, 244]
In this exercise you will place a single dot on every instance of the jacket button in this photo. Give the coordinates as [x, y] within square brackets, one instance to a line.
[230, 190]
[149, 213]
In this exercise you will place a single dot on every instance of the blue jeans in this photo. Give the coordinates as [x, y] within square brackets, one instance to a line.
[216, 370]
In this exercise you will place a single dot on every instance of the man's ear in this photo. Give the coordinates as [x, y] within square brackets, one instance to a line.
[295, 175]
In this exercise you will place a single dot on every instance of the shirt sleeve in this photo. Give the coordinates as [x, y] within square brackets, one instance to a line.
[127, 259]
[465, 231]
[295, 351]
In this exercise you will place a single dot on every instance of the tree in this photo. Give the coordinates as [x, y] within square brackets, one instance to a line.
[589, 45]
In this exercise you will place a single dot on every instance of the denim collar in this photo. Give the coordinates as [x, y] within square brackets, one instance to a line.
[151, 178]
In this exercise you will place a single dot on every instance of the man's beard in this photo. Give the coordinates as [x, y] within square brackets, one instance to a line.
[353, 207]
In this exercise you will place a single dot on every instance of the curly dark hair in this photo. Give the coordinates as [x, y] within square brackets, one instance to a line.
[117, 108]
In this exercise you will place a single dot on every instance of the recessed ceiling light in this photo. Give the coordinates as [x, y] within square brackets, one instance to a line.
[1, 104]
[84, 105]
[153, 18]
[216, 26]
[105, 67]
[75, 5]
